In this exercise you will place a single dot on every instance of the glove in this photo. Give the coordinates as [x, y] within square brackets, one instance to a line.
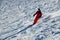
[34, 15]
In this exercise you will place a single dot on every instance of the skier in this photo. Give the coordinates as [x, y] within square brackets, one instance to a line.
[38, 15]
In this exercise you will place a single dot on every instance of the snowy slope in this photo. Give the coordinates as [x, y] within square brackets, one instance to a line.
[16, 17]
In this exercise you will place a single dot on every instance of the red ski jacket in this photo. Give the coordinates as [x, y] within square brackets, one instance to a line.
[38, 15]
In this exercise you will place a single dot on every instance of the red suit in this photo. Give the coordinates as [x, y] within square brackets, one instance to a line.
[38, 15]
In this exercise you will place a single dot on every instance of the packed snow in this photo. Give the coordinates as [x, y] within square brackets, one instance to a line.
[16, 19]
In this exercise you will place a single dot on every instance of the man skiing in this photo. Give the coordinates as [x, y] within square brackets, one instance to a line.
[38, 15]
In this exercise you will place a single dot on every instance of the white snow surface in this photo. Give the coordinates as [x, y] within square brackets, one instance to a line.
[16, 15]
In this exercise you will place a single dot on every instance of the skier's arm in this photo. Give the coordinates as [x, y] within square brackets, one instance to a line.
[34, 14]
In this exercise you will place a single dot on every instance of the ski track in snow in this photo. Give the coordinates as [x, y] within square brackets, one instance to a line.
[16, 18]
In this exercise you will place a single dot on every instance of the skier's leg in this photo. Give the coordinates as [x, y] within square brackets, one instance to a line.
[35, 20]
